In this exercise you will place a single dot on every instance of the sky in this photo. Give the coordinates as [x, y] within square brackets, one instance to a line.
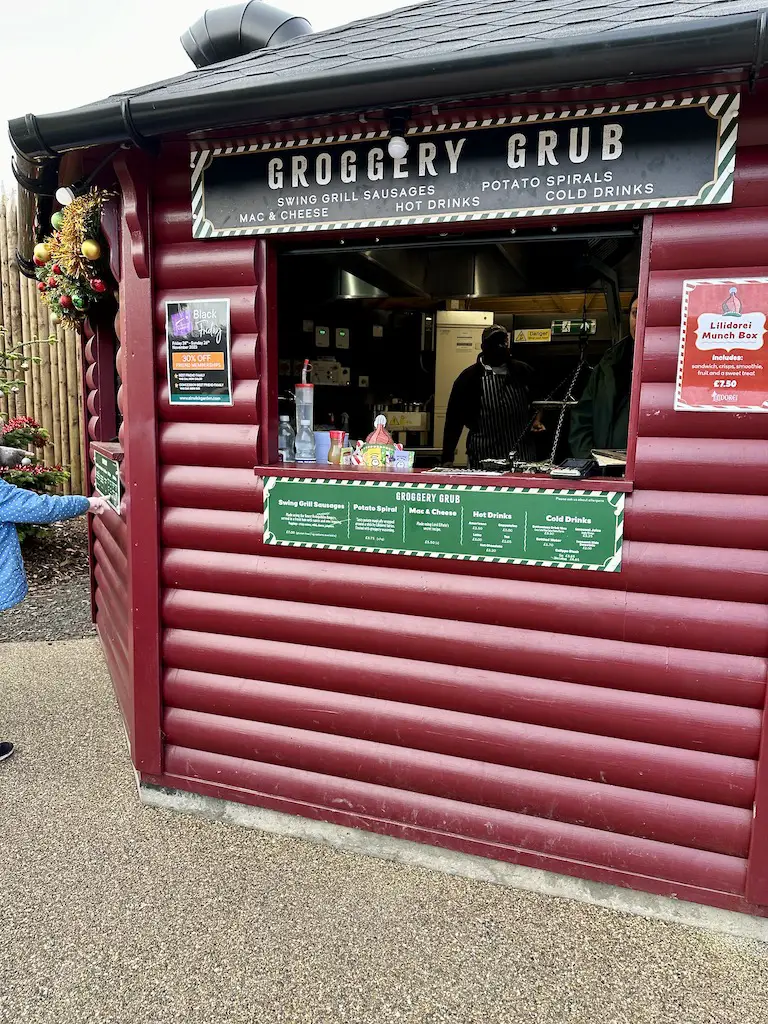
[58, 54]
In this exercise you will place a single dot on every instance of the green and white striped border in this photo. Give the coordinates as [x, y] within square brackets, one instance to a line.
[723, 107]
[614, 498]
[688, 286]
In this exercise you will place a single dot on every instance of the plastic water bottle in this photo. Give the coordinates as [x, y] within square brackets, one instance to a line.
[286, 440]
[305, 443]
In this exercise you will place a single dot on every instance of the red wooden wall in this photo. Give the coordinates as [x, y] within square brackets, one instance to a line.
[125, 547]
[108, 533]
[601, 725]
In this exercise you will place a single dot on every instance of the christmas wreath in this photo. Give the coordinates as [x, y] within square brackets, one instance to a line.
[71, 270]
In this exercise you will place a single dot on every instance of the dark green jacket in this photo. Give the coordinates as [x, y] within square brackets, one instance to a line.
[601, 419]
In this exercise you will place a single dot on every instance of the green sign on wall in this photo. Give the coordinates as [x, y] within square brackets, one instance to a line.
[523, 525]
[108, 479]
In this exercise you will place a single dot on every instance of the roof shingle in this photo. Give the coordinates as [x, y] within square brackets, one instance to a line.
[446, 26]
[436, 49]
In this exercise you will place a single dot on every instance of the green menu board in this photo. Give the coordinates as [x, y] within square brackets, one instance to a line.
[523, 525]
[108, 479]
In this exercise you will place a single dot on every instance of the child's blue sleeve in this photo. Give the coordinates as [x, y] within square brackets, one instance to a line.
[20, 506]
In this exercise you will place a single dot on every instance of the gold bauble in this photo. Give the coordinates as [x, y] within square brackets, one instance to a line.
[42, 252]
[90, 249]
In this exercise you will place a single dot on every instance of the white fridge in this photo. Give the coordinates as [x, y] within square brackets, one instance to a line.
[458, 336]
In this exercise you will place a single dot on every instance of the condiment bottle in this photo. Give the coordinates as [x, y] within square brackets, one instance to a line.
[334, 452]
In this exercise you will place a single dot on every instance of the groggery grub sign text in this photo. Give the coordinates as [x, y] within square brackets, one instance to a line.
[628, 156]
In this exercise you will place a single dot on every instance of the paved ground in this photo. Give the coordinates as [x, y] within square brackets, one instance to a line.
[59, 603]
[111, 912]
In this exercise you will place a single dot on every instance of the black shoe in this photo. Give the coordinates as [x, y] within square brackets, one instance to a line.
[6, 749]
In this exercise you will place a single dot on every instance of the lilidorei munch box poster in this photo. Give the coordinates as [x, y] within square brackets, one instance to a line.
[723, 362]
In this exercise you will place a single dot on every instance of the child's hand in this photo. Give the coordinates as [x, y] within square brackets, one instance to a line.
[98, 506]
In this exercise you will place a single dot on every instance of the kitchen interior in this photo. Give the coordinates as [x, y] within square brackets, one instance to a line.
[388, 327]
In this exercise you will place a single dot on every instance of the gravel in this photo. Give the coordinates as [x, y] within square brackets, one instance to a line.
[115, 912]
[58, 606]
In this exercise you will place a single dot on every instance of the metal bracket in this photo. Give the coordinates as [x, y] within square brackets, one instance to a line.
[133, 133]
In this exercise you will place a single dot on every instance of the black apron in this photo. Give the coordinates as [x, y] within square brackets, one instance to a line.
[503, 418]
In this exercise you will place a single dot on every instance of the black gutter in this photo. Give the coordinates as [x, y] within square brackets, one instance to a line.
[37, 181]
[650, 51]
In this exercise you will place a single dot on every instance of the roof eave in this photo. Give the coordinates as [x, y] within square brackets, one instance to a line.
[644, 52]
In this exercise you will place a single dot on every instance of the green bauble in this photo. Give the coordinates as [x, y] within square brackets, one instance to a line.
[57, 220]
[79, 301]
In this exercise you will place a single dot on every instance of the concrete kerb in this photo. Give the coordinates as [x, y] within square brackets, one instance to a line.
[513, 876]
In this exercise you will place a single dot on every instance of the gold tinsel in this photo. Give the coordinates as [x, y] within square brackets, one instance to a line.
[81, 220]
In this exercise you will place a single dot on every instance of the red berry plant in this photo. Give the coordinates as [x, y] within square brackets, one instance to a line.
[24, 432]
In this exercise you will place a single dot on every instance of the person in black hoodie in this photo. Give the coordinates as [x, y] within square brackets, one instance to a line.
[491, 398]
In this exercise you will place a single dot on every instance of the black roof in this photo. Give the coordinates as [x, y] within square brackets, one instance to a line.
[457, 27]
[437, 49]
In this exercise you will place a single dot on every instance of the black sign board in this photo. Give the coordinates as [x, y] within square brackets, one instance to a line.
[628, 156]
[199, 365]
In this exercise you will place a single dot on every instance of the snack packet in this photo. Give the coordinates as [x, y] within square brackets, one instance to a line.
[402, 459]
[377, 456]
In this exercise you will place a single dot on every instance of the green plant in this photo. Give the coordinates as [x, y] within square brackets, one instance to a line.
[35, 478]
[13, 361]
[24, 432]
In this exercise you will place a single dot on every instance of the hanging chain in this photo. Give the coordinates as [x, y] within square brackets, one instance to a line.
[571, 381]
[564, 408]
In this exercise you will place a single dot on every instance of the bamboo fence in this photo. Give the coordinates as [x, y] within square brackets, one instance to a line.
[52, 388]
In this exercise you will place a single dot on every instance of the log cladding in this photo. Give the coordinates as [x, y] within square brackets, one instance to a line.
[108, 539]
[119, 399]
[605, 725]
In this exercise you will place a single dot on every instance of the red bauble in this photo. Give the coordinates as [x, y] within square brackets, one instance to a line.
[55, 269]
[38, 262]
[65, 302]
[41, 286]
[52, 282]
[98, 285]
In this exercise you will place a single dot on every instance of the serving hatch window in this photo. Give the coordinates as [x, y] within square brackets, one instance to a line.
[463, 354]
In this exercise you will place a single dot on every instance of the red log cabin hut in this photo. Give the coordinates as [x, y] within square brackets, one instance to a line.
[565, 673]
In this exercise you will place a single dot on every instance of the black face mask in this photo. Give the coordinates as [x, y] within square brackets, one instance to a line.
[495, 354]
